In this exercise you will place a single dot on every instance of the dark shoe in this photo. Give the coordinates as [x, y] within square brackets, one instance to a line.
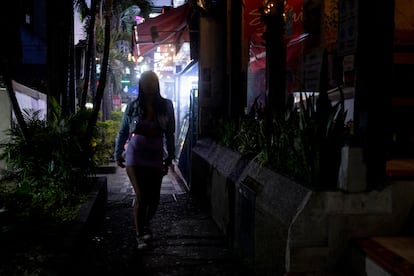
[147, 234]
[141, 244]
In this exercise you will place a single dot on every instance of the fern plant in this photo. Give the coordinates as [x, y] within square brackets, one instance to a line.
[303, 143]
[105, 139]
[49, 173]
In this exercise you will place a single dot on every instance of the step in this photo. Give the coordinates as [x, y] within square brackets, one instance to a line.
[392, 255]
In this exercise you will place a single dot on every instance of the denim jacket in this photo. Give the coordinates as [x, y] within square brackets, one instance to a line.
[132, 116]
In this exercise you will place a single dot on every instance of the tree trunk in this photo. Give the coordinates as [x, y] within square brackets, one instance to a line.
[89, 54]
[59, 30]
[102, 80]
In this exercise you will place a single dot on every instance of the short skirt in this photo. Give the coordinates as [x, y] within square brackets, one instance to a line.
[144, 151]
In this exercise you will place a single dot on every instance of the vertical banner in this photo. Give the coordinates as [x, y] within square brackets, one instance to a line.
[252, 23]
[294, 18]
[296, 39]
[295, 43]
[253, 31]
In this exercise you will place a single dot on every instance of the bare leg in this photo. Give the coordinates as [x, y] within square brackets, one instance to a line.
[147, 185]
[154, 195]
[133, 174]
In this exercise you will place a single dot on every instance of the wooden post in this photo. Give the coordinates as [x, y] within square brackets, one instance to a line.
[275, 57]
[374, 63]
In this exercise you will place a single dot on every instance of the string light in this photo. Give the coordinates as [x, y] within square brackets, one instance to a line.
[272, 7]
[269, 6]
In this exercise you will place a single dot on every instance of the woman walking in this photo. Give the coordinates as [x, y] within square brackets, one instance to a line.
[148, 126]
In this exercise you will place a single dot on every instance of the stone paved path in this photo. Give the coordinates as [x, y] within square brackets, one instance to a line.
[186, 240]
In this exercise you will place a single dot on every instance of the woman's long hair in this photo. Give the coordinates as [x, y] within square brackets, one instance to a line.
[149, 81]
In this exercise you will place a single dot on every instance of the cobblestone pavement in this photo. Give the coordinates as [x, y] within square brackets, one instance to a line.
[186, 241]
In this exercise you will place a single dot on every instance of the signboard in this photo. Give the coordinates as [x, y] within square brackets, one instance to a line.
[253, 25]
[116, 101]
[254, 29]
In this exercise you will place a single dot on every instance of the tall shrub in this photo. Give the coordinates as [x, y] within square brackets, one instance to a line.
[50, 172]
[303, 142]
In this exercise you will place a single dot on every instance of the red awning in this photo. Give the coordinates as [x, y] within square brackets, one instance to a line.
[168, 28]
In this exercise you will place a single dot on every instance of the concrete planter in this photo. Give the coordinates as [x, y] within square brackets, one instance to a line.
[281, 226]
[215, 170]
[267, 204]
[90, 216]
[105, 169]
[53, 248]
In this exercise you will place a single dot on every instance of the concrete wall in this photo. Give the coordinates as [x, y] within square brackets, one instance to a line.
[212, 64]
[277, 200]
[28, 99]
[213, 181]
[280, 226]
[5, 115]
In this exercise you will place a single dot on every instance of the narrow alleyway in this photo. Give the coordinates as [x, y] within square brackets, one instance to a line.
[186, 241]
